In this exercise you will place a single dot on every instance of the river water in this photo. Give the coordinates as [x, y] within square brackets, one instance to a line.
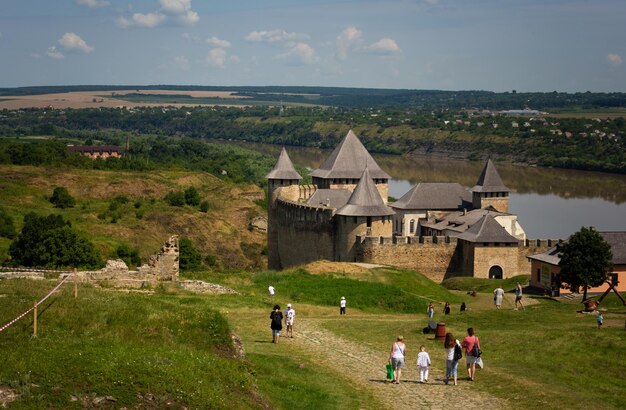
[549, 202]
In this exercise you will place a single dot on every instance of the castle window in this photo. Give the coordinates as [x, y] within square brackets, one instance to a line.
[369, 221]
[412, 226]
[355, 221]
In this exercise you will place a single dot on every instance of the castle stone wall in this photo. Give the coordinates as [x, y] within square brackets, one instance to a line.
[505, 257]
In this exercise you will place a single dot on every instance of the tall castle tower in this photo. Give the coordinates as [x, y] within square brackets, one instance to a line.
[345, 165]
[490, 190]
[364, 214]
[282, 175]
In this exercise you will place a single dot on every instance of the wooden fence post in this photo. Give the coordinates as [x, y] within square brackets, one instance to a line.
[35, 320]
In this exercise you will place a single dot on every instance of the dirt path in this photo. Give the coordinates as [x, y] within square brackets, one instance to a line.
[366, 368]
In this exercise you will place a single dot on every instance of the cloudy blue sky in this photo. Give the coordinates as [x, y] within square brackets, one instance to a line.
[498, 45]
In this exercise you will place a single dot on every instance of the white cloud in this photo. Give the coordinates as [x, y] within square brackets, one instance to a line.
[72, 41]
[123, 22]
[190, 18]
[384, 46]
[274, 36]
[53, 53]
[216, 57]
[346, 40]
[94, 4]
[614, 59]
[218, 42]
[175, 6]
[300, 53]
[148, 20]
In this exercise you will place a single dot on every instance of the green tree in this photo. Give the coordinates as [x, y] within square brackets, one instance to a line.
[586, 260]
[128, 255]
[189, 257]
[61, 198]
[50, 241]
[192, 197]
[175, 198]
[7, 228]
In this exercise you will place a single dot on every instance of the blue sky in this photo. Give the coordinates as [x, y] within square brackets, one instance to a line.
[498, 45]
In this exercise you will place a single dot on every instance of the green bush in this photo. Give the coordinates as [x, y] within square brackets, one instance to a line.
[61, 198]
[189, 258]
[192, 197]
[128, 255]
[139, 213]
[175, 198]
[210, 260]
[204, 206]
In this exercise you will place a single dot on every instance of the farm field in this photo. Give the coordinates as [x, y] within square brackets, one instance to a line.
[170, 347]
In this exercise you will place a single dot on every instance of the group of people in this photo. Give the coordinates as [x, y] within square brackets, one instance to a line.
[498, 297]
[276, 324]
[447, 309]
[453, 353]
[277, 317]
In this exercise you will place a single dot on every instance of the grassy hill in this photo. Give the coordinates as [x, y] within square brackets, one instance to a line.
[141, 218]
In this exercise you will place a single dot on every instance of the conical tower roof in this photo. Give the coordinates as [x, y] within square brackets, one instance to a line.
[487, 229]
[365, 200]
[348, 161]
[284, 168]
[489, 180]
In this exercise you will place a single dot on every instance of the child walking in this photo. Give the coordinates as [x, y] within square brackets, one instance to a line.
[600, 320]
[423, 361]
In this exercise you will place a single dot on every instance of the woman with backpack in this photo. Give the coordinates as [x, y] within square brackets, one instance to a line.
[277, 323]
[454, 353]
[472, 352]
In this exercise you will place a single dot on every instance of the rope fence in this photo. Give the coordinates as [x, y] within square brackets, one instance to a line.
[69, 274]
[33, 270]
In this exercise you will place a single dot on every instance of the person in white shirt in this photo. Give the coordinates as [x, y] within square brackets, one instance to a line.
[498, 295]
[290, 315]
[342, 306]
[423, 361]
[271, 290]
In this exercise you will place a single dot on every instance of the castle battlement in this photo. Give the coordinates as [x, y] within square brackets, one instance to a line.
[543, 243]
[406, 240]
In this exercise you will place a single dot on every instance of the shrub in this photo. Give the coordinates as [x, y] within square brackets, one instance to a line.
[204, 206]
[128, 255]
[210, 260]
[61, 198]
[192, 197]
[137, 204]
[189, 258]
[175, 198]
[7, 229]
[139, 213]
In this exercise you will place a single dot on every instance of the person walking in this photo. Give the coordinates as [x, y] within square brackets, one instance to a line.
[290, 315]
[470, 360]
[518, 296]
[342, 306]
[498, 295]
[431, 311]
[423, 361]
[271, 290]
[600, 320]
[277, 323]
[463, 307]
[454, 353]
[396, 358]
[446, 309]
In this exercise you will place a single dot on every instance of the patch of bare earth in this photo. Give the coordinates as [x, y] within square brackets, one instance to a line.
[323, 266]
[7, 396]
[365, 367]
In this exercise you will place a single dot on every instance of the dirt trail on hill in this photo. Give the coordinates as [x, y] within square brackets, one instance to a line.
[365, 367]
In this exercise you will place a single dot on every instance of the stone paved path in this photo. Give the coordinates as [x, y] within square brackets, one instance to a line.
[366, 368]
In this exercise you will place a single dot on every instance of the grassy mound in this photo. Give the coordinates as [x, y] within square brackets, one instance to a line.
[484, 285]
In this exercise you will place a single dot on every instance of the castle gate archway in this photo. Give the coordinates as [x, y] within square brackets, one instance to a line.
[495, 272]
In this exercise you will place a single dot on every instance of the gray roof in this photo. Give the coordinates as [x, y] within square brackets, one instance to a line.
[348, 160]
[488, 230]
[489, 180]
[335, 198]
[617, 240]
[461, 221]
[550, 256]
[365, 200]
[284, 168]
[434, 195]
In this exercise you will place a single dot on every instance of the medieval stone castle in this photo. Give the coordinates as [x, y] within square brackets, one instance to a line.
[439, 229]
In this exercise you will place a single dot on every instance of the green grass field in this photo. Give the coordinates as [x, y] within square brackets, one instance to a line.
[173, 349]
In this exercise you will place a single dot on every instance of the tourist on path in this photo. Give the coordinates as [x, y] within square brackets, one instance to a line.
[600, 320]
[454, 353]
[430, 311]
[290, 315]
[498, 295]
[270, 290]
[396, 358]
[342, 306]
[423, 361]
[463, 307]
[468, 343]
[277, 323]
[446, 309]
[518, 296]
